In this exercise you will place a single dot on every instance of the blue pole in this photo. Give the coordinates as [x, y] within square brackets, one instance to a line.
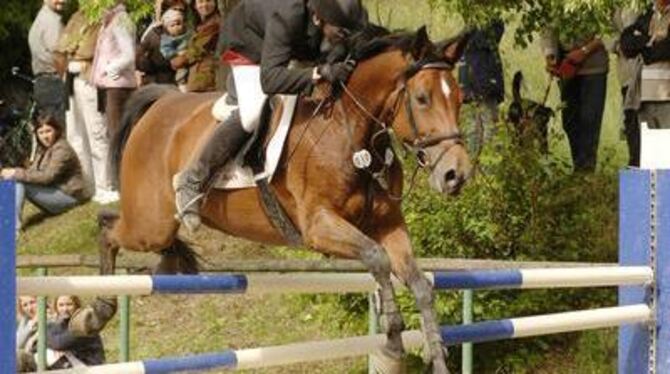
[663, 271]
[635, 244]
[7, 278]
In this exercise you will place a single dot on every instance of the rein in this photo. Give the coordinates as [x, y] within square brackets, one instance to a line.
[417, 145]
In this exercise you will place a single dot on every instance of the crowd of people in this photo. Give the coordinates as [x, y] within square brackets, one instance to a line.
[84, 73]
[72, 332]
[581, 66]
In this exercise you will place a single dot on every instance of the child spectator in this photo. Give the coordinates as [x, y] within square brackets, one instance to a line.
[200, 57]
[54, 182]
[174, 41]
[151, 64]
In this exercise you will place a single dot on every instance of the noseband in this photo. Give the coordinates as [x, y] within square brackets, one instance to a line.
[418, 145]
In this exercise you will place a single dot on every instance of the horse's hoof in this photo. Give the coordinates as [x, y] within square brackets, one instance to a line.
[385, 362]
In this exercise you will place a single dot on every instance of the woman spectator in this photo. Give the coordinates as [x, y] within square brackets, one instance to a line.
[151, 64]
[26, 312]
[54, 182]
[70, 350]
[114, 62]
[26, 333]
[200, 56]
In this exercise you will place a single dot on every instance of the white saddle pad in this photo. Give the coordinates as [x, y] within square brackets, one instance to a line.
[234, 175]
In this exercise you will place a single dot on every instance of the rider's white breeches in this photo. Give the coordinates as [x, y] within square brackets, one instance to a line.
[250, 97]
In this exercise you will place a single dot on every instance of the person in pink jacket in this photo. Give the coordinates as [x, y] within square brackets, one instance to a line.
[114, 62]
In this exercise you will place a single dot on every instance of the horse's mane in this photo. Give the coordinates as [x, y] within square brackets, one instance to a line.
[374, 40]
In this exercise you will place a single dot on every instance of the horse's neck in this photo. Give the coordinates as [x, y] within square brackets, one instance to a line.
[367, 102]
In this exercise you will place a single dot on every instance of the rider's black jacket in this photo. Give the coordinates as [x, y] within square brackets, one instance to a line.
[272, 33]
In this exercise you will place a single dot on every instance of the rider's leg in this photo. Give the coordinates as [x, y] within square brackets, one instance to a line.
[189, 184]
[224, 143]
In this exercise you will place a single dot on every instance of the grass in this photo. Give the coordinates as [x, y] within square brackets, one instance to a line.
[180, 325]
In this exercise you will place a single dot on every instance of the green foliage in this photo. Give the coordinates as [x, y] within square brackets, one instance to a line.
[570, 18]
[522, 205]
[138, 9]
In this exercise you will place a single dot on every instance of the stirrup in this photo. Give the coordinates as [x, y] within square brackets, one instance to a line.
[181, 213]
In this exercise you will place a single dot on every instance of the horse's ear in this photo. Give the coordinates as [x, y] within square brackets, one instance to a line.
[452, 49]
[422, 46]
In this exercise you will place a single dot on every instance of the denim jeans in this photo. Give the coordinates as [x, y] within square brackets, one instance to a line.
[47, 198]
[584, 99]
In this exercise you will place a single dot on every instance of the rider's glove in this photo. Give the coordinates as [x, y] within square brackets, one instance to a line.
[337, 72]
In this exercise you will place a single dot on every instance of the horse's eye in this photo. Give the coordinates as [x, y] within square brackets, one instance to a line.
[422, 99]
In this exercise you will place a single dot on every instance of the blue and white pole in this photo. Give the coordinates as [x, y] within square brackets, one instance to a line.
[259, 358]
[310, 283]
[7, 278]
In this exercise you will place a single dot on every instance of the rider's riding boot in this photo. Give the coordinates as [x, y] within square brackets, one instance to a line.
[189, 185]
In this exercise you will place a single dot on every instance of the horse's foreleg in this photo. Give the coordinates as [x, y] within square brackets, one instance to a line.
[108, 246]
[395, 240]
[329, 233]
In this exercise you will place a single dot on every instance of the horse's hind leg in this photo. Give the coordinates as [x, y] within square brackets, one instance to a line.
[108, 245]
[395, 239]
[329, 233]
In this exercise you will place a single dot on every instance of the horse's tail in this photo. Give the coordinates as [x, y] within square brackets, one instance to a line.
[138, 104]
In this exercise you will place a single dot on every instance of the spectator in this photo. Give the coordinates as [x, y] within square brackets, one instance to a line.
[481, 77]
[71, 350]
[200, 59]
[623, 18]
[49, 91]
[114, 62]
[73, 336]
[54, 182]
[65, 305]
[648, 41]
[26, 333]
[153, 67]
[582, 65]
[86, 130]
[174, 41]
[26, 309]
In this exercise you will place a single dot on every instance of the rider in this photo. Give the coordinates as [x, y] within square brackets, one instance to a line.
[259, 39]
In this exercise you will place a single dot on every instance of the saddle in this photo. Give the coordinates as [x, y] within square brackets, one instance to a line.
[256, 163]
[255, 160]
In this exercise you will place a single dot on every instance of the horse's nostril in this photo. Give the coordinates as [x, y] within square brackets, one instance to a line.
[450, 176]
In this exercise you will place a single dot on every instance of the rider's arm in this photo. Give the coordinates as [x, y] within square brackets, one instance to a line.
[284, 27]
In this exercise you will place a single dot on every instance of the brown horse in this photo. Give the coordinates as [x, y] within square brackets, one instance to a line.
[401, 87]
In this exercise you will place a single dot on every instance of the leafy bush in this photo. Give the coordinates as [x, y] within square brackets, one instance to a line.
[526, 206]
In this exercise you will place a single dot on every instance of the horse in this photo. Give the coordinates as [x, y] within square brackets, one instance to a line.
[402, 87]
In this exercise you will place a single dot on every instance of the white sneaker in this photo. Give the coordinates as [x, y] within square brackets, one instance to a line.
[105, 197]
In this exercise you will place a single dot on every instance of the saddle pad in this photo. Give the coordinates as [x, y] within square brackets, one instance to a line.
[234, 175]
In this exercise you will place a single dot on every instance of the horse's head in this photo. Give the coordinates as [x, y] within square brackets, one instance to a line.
[422, 103]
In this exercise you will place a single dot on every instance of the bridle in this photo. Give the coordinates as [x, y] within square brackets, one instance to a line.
[418, 144]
